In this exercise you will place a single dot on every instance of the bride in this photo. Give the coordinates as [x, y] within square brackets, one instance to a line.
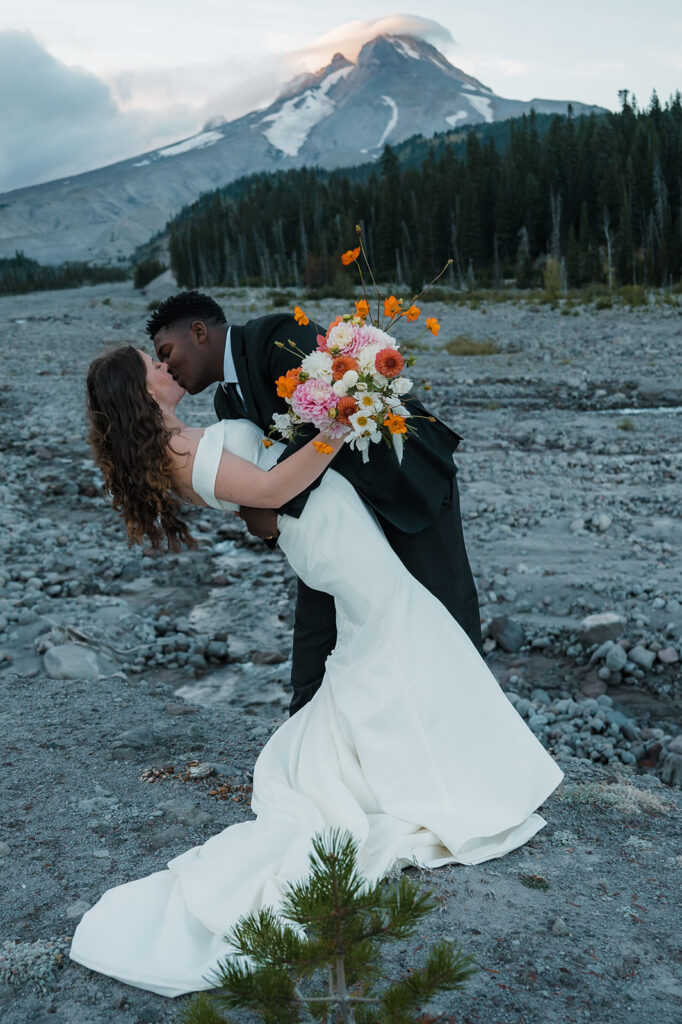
[409, 743]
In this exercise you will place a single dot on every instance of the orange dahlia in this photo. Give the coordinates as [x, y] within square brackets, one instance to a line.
[389, 362]
[346, 407]
[342, 364]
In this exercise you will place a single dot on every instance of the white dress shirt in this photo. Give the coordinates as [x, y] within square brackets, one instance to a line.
[229, 369]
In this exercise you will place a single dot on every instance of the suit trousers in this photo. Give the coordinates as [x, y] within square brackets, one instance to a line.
[436, 556]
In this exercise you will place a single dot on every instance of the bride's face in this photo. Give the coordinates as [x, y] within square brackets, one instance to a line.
[160, 385]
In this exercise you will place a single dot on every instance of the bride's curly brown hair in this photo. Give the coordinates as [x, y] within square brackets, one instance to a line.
[130, 443]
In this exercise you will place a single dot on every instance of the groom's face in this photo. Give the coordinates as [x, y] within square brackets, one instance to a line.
[187, 351]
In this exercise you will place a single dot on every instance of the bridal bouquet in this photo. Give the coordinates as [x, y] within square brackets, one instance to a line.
[352, 384]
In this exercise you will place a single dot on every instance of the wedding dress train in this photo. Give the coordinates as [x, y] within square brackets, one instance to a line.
[409, 743]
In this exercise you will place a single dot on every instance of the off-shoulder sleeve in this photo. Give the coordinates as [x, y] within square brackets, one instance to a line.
[205, 468]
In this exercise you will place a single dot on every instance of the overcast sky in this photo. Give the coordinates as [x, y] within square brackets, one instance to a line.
[86, 82]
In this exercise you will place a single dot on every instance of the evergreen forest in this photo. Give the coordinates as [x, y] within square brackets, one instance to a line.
[599, 195]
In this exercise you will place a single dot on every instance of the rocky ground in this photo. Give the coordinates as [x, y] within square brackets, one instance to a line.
[136, 691]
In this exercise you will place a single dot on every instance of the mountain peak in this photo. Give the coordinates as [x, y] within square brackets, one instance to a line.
[338, 116]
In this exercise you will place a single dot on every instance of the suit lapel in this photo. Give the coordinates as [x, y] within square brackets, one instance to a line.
[242, 368]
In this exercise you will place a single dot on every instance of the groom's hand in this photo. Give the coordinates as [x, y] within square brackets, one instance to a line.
[260, 522]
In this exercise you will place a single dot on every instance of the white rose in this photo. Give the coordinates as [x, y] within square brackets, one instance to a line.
[339, 387]
[350, 379]
[401, 385]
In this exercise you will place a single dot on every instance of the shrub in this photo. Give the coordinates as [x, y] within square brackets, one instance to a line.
[633, 295]
[279, 298]
[325, 964]
[465, 345]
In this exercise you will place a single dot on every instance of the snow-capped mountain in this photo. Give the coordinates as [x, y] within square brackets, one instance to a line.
[342, 115]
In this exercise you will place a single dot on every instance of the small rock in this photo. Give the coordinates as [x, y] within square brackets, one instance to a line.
[671, 769]
[641, 656]
[675, 746]
[616, 658]
[559, 927]
[668, 655]
[269, 658]
[70, 661]
[166, 836]
[508, 633]
[184, 812]
[77, 909]
[576, 525]
[200, 771]
[595, 629]
[625, 724]
[128, 745]
[5, 849]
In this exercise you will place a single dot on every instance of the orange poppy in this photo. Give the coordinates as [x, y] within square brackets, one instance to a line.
[412, 313]
[322, 448]
[362, 308]
[350, 257]
[432, 325]
[287, 384]
[392, 306]
[300, 317]
[396, 424]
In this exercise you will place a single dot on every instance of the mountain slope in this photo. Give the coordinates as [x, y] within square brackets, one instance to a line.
[342, 115]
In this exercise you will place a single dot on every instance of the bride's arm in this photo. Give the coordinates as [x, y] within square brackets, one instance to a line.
[241, 483]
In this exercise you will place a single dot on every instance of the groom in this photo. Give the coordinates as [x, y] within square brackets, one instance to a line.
[416, 502]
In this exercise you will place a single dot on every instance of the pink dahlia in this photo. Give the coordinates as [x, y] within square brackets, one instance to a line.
[313, 401]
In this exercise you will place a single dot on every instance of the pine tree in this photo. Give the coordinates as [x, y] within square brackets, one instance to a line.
[319, 959]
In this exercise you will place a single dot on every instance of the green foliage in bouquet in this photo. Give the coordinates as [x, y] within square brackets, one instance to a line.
[326, 964]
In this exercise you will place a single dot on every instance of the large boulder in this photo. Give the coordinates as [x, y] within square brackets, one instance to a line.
[71, 661]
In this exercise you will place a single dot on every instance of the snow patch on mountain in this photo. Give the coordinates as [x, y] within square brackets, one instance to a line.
[482, 105]
[392, 122]
[196, 142]
[293, 122]
[454, 119]
[404, 49]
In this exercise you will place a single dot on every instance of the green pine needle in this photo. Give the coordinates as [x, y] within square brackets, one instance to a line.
[318, 959]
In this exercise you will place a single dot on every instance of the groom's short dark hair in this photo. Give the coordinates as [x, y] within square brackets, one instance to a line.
[184, 306]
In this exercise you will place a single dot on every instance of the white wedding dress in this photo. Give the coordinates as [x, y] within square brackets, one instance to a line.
[409, 743]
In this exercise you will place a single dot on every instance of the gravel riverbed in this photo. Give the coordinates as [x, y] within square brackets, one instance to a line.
[137, 690]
